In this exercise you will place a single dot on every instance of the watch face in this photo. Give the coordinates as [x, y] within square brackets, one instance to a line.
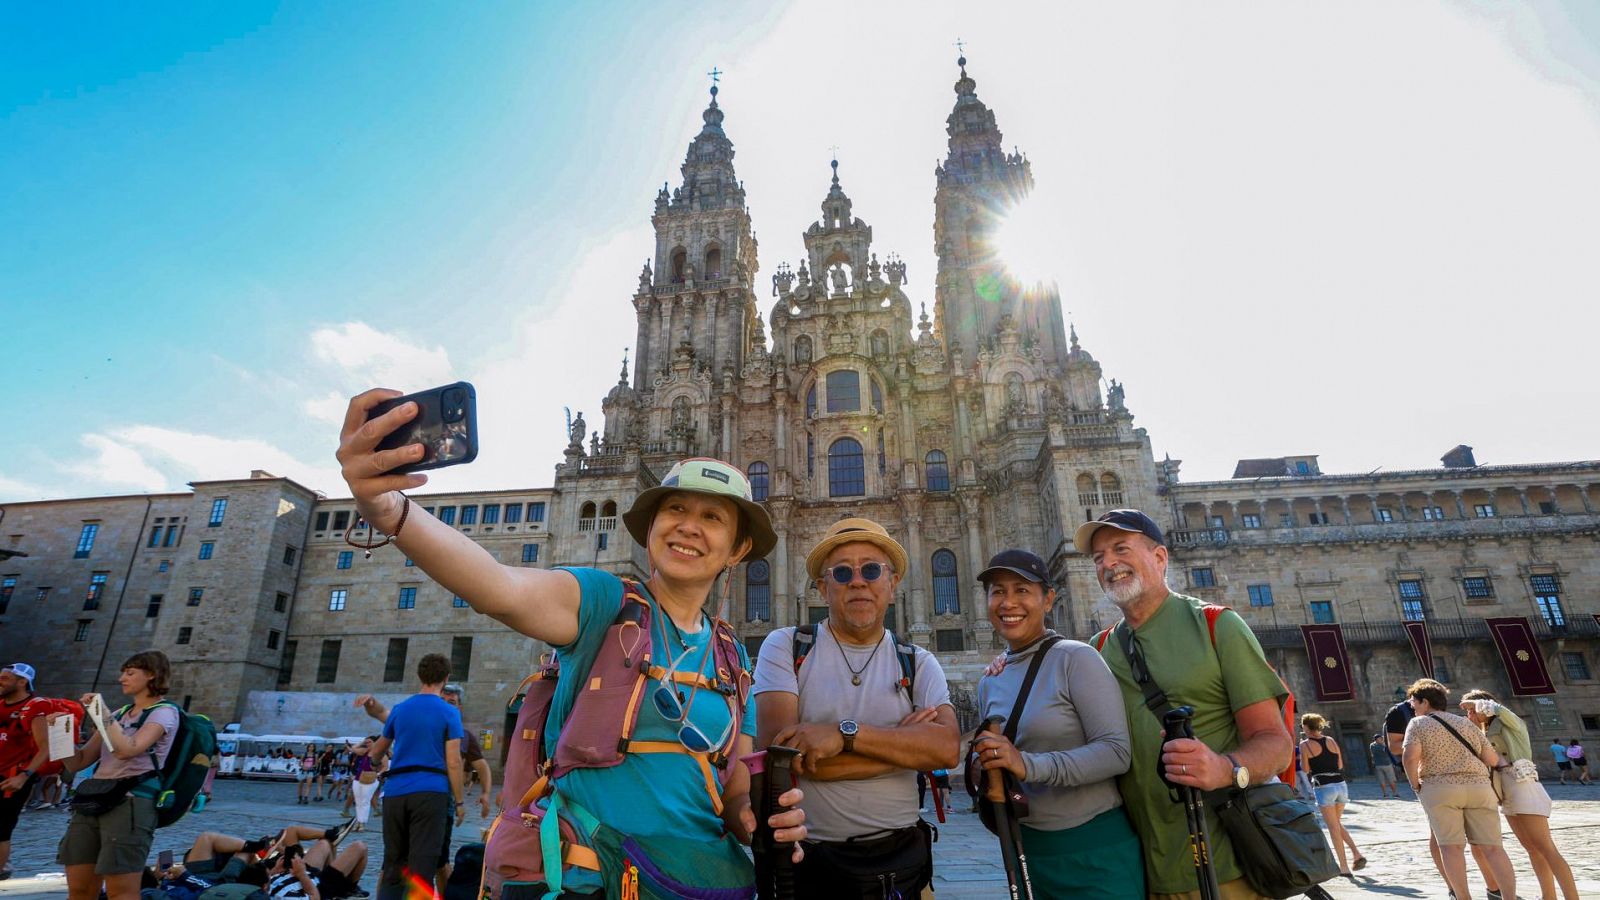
[848, 726]
[1241, 777]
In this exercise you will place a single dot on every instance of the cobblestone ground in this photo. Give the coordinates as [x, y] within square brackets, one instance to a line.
[1391, 833]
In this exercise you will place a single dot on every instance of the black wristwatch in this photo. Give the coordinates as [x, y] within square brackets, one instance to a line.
[29, 772]
[848, 728]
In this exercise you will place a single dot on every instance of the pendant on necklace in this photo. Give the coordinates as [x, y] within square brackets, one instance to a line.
[855, 680]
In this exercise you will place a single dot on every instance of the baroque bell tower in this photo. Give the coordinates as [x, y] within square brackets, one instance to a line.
[978, 185]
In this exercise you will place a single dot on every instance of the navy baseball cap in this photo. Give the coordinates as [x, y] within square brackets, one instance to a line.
[1130, 520]
[1021, 562]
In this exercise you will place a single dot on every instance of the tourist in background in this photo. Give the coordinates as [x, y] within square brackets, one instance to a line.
[1523, 799]
[1563, 765]
[1448, 760]
[1322, 762]
[1580, 762]
[1383, 763]
[108, 850]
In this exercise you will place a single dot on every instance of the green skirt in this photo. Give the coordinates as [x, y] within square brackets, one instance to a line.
[1100, 858]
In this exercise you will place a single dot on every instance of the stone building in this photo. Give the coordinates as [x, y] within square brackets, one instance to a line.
[967, 424]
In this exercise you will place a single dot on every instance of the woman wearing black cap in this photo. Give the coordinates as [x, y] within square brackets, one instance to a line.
[1068, 744]
[694, 527]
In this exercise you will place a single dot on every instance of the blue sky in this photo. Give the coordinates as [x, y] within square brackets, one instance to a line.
[1364, 232]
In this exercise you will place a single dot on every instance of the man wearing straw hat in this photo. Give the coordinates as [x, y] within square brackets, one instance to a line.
[840, 695]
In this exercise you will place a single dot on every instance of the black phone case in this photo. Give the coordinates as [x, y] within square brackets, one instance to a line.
[444, 443]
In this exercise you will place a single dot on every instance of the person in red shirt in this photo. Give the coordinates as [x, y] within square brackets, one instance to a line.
[24, 747]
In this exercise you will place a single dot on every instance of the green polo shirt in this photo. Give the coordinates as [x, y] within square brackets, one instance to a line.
[1177, 648]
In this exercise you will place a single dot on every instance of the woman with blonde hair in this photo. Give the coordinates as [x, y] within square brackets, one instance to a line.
[1321, 760]
[1523, 799]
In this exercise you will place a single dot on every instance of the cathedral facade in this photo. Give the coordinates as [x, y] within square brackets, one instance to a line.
[966, 425]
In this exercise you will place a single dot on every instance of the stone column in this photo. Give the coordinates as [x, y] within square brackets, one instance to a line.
[1461, 506]
[971, 521]
[916, 579]
[643, 353]
[1583, 494]
[782, 603]
[1233, 515]
[1372, 501]
[1554, 503]
[1402, 497]
[665, 344]
[1522, 495]
[1344, 504]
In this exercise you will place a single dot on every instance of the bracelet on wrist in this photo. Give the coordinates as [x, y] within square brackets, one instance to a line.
[388, 539]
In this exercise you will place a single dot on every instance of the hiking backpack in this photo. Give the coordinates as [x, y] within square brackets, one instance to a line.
[597, 732]
[1214, 611]
[194, 746]
[805, 638]
[43, 707]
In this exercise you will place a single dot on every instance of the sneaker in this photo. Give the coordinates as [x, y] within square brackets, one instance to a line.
[338, 832]
[6, 873]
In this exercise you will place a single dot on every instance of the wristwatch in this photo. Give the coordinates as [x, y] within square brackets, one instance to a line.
[29, 773]
[848, 728]
[1241, 775]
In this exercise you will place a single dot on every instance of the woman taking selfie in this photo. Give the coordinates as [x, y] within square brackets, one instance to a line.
[1070, 745]
[694, 527]
[108, 845]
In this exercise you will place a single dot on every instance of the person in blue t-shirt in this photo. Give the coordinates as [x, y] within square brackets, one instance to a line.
[424, 777]
[694, 527]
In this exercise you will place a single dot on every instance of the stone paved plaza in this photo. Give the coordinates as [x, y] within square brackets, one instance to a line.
[1391, 834]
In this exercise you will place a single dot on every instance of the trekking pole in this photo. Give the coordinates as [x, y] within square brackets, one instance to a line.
[1177, 725]
[771, 774]
[1006, 826]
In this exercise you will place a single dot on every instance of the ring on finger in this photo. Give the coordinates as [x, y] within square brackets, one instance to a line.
[1184, 770]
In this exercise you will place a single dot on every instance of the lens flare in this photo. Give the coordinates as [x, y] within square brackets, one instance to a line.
[1027, 244]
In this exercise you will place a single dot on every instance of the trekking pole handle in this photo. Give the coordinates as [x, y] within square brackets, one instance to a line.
[1177, 723]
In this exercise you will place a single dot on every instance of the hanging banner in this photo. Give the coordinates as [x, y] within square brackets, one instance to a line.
[1418, 633]
[1330, 664]
[1520, 654]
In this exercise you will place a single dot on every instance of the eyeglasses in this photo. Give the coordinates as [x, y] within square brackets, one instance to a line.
[870, 572]
[665, 697]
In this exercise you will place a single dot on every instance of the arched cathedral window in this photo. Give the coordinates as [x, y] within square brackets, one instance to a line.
[758, 592]
[946, 591]
[847, 475]
[844, 391]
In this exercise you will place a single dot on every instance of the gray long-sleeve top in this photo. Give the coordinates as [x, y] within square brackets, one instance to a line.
[1073, 735]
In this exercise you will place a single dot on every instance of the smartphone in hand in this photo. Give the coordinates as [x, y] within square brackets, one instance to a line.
[446, 425]
[164, 861]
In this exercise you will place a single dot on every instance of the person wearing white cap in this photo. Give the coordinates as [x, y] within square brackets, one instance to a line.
[23, 749]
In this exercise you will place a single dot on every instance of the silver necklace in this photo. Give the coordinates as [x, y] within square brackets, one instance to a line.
[855, 673]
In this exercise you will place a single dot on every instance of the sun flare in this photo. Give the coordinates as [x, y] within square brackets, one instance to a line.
[1028, 245]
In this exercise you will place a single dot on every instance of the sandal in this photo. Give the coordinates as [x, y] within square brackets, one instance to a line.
[1361, 863]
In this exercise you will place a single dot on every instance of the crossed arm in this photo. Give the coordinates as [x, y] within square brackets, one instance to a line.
[925, 739]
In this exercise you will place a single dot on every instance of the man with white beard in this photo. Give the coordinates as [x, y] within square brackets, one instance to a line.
[1164, 639]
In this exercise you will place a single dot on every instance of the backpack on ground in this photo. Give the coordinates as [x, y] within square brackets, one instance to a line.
[194, 746]
[539, 831]
[466, 876]
[1214, 611]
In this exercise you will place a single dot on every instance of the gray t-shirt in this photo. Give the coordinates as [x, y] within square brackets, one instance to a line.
[111, 767]
[837, 810]
[1073, 734]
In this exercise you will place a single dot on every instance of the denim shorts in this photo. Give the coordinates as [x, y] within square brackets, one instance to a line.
[1332, 794]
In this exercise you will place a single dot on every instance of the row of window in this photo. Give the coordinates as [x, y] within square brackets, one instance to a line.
[346, 558]
[847, 469]
[1384, 514]
[394, 663]
[946, 588]
[1413, 595]
[486, 514]
[407, 599]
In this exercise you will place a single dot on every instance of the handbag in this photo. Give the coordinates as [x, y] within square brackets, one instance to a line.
[98, 796]
[1276, 840]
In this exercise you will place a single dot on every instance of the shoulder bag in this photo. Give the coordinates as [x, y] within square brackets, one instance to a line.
[1494, 780]
[1279, 846]
[1013, 722]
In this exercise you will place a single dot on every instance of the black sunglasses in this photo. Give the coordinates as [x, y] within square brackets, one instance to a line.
[870, 572]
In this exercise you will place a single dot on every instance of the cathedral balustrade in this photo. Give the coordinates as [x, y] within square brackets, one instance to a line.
[599, 523]
[1392, 631]
[1092, 435]
[1416, 529]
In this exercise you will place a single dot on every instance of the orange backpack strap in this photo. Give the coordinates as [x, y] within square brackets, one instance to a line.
[1100, 639]
[1214, 612]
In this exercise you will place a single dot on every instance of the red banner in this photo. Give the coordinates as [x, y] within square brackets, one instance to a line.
[1418, 633]
[1520, 654]
[1330, 664]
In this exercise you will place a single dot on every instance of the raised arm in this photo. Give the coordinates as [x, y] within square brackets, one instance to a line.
[540, 603]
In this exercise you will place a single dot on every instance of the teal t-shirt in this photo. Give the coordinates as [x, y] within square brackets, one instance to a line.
[649, 793]
[1217, 683]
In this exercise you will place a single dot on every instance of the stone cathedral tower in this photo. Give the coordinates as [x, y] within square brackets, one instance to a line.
[980, 427]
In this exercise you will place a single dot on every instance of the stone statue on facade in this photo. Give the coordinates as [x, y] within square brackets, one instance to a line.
[841, 283]
[578, 429]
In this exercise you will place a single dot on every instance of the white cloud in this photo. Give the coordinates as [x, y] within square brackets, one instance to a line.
[370, 357]
[13, 490]
[187, 456]
[116, 464]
